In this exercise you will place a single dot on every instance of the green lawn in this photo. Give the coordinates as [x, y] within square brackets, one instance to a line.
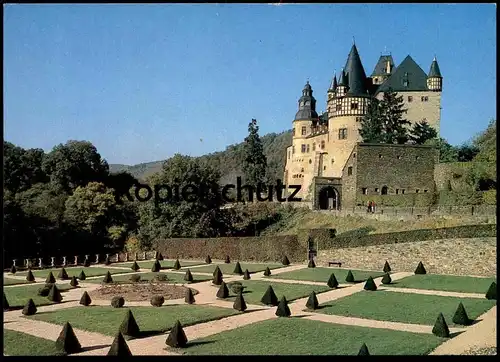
[449, 283]
[22, 344]
[404, 307]
[229, 268]
[173, 277]
[151, 320]
[11, 281]
[89, 272]
[322, 274]
[148, 264]
[19, 296]
[294, 336]
[255, 289]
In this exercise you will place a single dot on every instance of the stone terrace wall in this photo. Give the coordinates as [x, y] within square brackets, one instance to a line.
[477, 256]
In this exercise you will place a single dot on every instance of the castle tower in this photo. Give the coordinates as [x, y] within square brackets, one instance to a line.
[434, 78]
[333, 87]
[383, 69]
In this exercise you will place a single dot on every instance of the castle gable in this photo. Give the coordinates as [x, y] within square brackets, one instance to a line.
[407, 77]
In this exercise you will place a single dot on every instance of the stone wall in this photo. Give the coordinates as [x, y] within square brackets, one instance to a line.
[476, 256]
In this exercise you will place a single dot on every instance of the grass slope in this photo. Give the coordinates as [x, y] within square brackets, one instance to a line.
[22, 344]
[322, 274]
[173, 278]
[229, 268]
[11, 281]
[148, 264]
[448, 283]
[18, 296]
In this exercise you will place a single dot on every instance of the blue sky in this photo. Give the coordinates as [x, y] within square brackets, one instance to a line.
[142, 82]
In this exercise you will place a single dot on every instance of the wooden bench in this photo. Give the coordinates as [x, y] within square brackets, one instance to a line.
[330, 263]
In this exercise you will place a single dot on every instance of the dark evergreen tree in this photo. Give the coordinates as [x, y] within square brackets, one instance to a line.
[312, 302]
[311, 263]
[349, 278]
[363, 351]
[285, 261]
[63, 275]
[223, 291]
[30, 277]
[420, 269]
[107, 278]
[13, 269]
[189, 297]
[176, 338]
[239, 303]
[283, 310]
[119, 347]
[372, 126]
[135, 267]
[29, 308]
[67, 342]
[237, 269]
[461, 316]
[246, 275]
[370, 284]
[6, 305]
[421, 132]
[177, 264]
[267, 272]
[50, 279]
[228, 260]
[85, 299]
[129, 325]
[208, 260]
[387, 267]
[255, 162]
[54, 294]
[440, 328]
[82, 276]
[217, 277]
[386, 279]
[492, 292]
[188, 277]
[395, 125]
[332, 281]
[269, 297]
[156, 267]
[73, 282]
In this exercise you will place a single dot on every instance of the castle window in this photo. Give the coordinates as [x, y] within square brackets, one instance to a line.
[417, 157]
[376, 189]
[333, 160]
[324, 167]
[307, 103]
[359, 119]
[354, 155]
[425, 191]
[338, 107]
[424, 99]
[303, 148]
[310, 161]
[354, 106]
[380, 155]
[410, 99]
[403, 191]
[303, 131]
[349, 171]
[384, 190]
[322, 145]
[307, 150]
[314, 146]
[397, 191]
[342, 133]
[417, 191]
[293, 150]
[399, 157]
[405, 83]
[364, 190]
[302, 169]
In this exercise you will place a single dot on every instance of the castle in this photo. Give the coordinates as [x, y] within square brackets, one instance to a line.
[322, 157]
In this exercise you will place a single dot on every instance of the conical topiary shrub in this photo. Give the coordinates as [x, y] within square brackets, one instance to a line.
[228, 260]
[311, 263]
[349, 278]
[239, 303]
[387, 267]
[285, 261]
[370, 284]
[43, 292]
[50, 279]
[6, 305]
[67, 341]
[223, 291]
[29, 308]
[129, 325]
[85, 299]
[82, 275]
[208, 260]
[177, 264]
[492, 291]
[332, 281]
[217, 277]
[62, 275]
[461, 316]
[363, 351]
[176, 338]
[159, 257]
[420, 269]
[283, 310]
[312, 302]
[237, 269]
[216, 270]
[440, 328]
[386, 279]
[189, 297]
[13, 269]
[188, 277]
[54, 294]
[73, 282]
[157, 300]
[107, 278]
[269, 297]
[135, 266]
[267, 272]
[119, 347]
[156, 267]
[30, 277]
[246, 275]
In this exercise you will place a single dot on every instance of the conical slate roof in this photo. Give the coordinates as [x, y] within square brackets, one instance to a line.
[356, 75]
[343, 78]
[408, 71]
[307, 105]
[333, 84]
[434, 71]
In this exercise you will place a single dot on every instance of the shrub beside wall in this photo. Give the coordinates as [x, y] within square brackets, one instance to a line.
[404, 200]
